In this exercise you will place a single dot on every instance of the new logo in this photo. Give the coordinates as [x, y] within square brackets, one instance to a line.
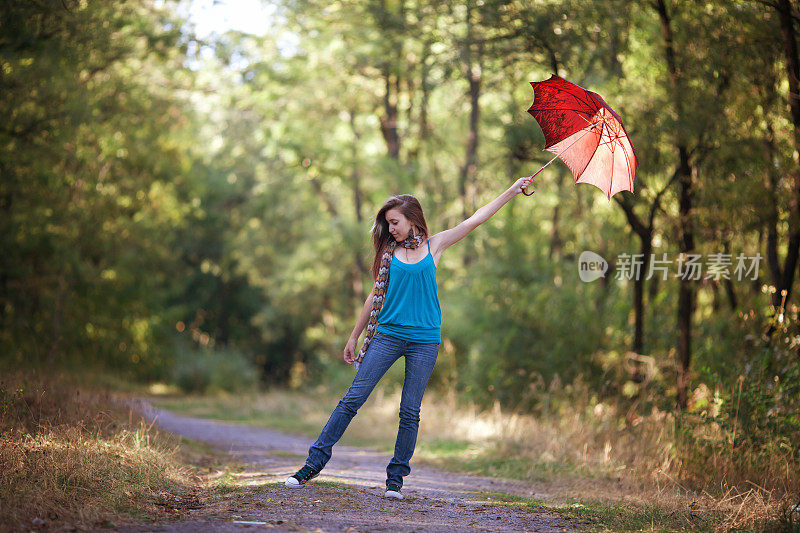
[591, 266]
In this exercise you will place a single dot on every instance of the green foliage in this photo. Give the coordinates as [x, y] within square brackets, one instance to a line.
[9, 399]
[156, 184]
[212, 370]
[88, 158]
[748, 427]
[767, 399]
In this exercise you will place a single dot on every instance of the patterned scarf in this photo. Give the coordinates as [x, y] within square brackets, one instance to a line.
[381, 285]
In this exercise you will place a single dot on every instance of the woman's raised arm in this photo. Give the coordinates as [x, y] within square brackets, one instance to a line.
[444, 239]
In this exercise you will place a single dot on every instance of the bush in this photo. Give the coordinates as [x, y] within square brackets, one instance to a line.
[208, 370]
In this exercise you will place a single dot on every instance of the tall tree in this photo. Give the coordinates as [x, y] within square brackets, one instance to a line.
[783, 276]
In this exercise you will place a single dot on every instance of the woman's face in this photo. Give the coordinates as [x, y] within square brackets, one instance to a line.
[399, 225]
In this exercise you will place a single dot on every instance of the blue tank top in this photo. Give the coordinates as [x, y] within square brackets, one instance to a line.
[411, 310]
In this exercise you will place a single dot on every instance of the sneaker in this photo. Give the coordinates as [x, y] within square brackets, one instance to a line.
[302, 476]
[393, 491]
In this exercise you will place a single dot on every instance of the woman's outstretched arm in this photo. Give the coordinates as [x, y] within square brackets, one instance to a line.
[350, 349]
[442, 240]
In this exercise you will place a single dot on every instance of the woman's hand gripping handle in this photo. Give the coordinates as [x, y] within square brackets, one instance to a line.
[522, 184]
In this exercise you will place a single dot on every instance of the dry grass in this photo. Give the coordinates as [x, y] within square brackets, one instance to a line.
[70, 456]
[587, 452]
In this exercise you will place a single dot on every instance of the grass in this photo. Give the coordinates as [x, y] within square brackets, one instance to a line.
[483, 460]
[582, 461]
[596, 515]
[250, 409]
[601, 515]
[74, 457]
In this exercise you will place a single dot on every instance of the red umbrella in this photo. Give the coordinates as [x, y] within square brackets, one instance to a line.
[581, 129]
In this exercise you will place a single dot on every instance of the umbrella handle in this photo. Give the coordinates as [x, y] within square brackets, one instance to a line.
[591, 127]
[525, 192]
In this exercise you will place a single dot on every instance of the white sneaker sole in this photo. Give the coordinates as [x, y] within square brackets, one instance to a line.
[393, 494]
[292, 483]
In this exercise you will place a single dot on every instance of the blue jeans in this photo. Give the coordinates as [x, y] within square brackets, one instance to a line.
[383, 351]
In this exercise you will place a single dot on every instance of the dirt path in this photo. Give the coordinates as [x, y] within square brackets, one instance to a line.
[348, 494]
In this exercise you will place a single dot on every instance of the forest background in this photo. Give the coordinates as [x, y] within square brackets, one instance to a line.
[196, 210]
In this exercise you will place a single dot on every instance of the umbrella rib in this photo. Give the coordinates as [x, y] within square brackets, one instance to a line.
[564, 150]
[586, 101]
[579, 111]
[611, 182]
[578, 172]
[628, 164]
[591, 125]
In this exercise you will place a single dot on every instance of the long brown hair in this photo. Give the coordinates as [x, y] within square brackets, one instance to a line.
[409, 206]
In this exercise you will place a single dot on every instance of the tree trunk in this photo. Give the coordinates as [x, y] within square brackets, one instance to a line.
[789, 37]
[772, 217]
[356, 173]
[425, 86]
[224, 329]
[468, 169]
[467, 178]
[390, 113]
[645, 234]
[727, 283]
[474, 75]
[686, 295]
[360, 268]
[55, 333]
[646, 250]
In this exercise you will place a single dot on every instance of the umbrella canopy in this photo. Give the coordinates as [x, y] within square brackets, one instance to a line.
[582, 129]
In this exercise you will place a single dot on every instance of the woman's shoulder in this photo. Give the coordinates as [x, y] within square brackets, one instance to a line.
[434, 244]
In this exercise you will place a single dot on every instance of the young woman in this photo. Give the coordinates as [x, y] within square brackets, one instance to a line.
[402, 318]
